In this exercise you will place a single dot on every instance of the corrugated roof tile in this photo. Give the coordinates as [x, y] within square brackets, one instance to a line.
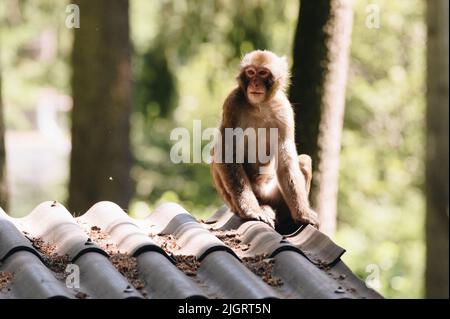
[167, 255]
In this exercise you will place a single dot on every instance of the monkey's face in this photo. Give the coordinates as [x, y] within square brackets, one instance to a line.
[257, 83]
[262, 74]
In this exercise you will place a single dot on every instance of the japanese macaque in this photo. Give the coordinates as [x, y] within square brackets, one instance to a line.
[275, 190]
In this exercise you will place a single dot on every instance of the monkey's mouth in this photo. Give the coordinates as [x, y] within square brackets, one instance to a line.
[257, 93]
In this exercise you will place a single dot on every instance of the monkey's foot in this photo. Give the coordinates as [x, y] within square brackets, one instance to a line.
[305, 163]
[265, 214]
[308, 216]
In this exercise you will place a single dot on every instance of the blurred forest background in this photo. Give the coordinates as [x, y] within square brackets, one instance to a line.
[181, 59]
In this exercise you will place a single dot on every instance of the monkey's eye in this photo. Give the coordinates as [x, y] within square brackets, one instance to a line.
[250, 72]
[263, 73]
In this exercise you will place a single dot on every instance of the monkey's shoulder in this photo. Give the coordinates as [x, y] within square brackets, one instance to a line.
[233, 108]
[280, 105]
[235, 99]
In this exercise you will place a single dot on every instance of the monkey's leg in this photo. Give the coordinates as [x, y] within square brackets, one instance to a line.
[293, 185]
[221, 188]
[237, 184]
[306, 168]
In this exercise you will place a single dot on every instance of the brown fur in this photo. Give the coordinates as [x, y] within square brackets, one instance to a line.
[283, 188]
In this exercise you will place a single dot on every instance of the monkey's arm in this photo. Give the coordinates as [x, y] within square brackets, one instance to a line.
[292, 182]
[240, 193]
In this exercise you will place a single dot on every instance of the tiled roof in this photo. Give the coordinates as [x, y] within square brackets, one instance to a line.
[169, 254]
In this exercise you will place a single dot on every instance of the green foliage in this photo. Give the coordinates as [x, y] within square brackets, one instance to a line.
[381, 205]
[155, 85]
[36, 48]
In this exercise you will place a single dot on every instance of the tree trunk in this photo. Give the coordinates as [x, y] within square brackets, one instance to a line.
[437, 160]
[101, 83]
[3, 183]
[319, 77]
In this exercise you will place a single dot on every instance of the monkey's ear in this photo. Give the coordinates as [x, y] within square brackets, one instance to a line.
[284, 76]
[284, 62]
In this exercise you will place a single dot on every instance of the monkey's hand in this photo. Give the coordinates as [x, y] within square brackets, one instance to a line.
[267, 215]
[307, 216]
[264, 214]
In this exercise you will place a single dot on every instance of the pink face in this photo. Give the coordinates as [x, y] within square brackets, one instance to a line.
[257, 79]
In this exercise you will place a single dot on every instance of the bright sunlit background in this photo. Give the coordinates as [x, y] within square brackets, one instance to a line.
[381, 206]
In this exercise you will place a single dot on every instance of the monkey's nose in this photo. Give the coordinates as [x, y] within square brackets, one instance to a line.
[255, 84]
